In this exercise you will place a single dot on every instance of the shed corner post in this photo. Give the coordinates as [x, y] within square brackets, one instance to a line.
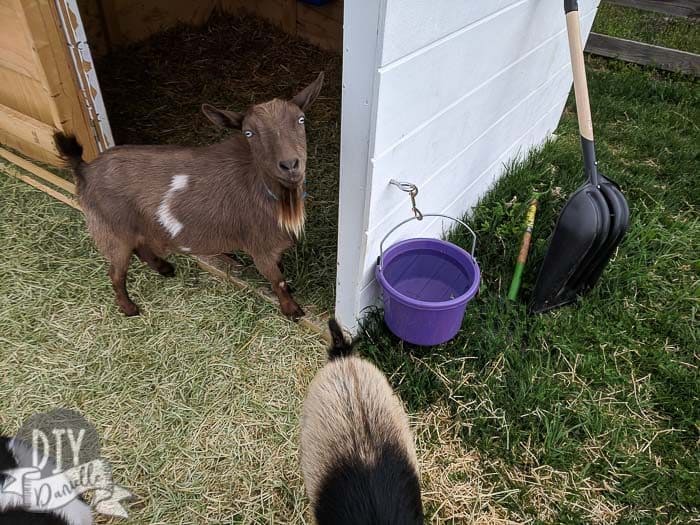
[363, 29]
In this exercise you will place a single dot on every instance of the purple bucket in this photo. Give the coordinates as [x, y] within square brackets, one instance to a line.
[426, 285]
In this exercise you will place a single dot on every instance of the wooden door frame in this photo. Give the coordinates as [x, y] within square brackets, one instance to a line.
[85, 74]
[52, 52]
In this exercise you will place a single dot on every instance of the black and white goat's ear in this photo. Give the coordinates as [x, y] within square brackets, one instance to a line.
[306, 96]
[341, 345]
[222, 117]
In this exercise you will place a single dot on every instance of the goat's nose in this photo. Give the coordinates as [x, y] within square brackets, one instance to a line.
[288, 166]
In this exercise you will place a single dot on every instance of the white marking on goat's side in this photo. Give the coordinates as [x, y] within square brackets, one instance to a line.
[185, 249]
[164, 215]
[179, 182]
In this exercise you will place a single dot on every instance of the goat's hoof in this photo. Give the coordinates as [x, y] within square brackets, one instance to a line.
[129, 309]
[293, 312]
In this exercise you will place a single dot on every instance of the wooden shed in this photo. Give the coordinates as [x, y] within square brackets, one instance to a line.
[441, 94]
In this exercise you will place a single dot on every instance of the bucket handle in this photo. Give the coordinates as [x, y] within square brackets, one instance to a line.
[381, 244]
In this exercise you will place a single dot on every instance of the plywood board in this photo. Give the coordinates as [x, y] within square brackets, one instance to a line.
[27, 129]
[322, 26]
[52, 54]
[15, 48]
[132, 20]
[282, 13]
[110, 23]
[24, 94]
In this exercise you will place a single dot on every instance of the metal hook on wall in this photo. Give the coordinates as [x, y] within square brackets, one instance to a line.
[412, 190]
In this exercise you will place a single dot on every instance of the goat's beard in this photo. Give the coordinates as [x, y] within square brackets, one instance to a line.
[291, 213]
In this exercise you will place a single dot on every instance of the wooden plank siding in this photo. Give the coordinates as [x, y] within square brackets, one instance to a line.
[682, 8]
[320, 25]
[38, 90]
[479, 85]
[113, 23]
[126, 21]
[53, 56]
[428, 26]
[456, 204]
[17, 54]
[644, 54]
[15, 126]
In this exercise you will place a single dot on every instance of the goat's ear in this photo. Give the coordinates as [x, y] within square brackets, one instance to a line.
[306, 96]
[223, 118]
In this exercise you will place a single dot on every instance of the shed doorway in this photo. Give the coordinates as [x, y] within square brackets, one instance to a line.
[158, 61]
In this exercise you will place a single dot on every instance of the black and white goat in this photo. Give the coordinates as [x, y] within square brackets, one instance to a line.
[15, 455]
[357, 453]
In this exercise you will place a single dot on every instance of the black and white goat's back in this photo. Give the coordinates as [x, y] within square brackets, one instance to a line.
[358, 457]
[15, 454]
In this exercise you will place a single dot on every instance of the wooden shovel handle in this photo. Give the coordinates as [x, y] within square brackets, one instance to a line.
[583, 105]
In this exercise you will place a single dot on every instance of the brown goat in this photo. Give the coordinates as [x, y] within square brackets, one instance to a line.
[244, 193]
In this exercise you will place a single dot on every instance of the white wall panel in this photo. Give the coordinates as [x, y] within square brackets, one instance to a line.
[533, 138]
[415, 91]
[414, 24]
[459, 88]
[462, 179]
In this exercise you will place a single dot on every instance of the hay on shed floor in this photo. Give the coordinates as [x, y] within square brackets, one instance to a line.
[153, 91]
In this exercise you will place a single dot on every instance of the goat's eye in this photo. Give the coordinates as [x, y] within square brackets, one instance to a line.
[248, 133]
[301, 120]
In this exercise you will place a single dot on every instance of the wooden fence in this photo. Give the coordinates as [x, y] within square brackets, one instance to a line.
[648, 54]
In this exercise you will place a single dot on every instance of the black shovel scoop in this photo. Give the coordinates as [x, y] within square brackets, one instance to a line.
[595, 218]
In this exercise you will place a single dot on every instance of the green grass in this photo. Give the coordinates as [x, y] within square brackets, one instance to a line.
[648, 27]
[589, 413]
[196, 401]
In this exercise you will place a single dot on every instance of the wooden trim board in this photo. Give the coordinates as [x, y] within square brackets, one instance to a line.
[683, 8]
[61, 189]
[231, 270]
[644, 54]
[46, 189]
[38, 171]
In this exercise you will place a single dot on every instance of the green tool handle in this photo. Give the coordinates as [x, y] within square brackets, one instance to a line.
[524, 249]
[515, 283]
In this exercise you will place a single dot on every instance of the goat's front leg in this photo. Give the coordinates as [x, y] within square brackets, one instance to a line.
[270, 270]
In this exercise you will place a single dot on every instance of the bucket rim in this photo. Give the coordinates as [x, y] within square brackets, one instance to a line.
[431, 305]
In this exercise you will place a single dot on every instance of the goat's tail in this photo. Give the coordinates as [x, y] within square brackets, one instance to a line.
[70, 149]
[341, 346]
